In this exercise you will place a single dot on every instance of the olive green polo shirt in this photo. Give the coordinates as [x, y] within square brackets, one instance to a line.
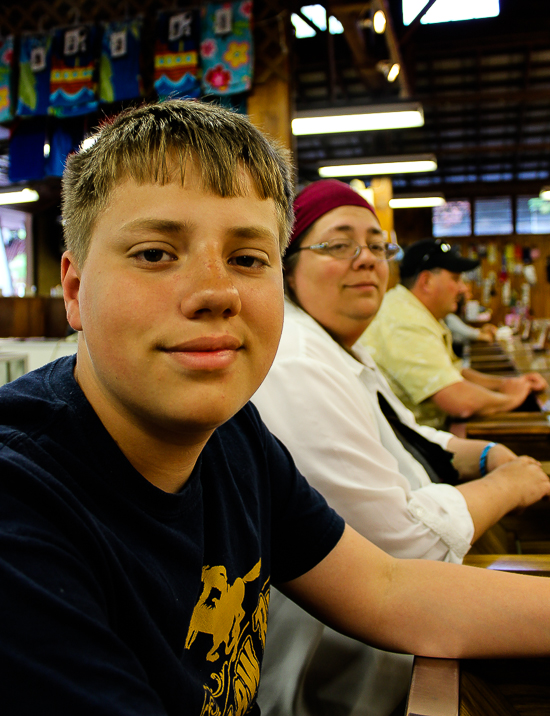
[414, 351]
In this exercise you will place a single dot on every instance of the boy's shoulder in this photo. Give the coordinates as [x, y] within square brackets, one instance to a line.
[29, 403]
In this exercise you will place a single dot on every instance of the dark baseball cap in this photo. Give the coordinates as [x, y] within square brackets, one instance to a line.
[434, 253]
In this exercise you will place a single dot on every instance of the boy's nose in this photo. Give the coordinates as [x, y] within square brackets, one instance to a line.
[209, 289]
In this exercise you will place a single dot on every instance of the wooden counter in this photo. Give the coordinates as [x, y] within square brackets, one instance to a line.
[484, 687]
[523, 432]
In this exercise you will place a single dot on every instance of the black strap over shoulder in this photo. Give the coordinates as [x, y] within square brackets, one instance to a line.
[436, 461]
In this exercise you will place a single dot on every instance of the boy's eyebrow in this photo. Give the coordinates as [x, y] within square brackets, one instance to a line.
[254, 232]
[173, 228]
[159, 226]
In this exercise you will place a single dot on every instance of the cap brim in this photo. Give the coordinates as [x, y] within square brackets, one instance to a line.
[458, 264]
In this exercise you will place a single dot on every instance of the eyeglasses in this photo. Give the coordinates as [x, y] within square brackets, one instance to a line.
[350, 249]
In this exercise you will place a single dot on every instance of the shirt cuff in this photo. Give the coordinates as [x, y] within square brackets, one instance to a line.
[443, 509]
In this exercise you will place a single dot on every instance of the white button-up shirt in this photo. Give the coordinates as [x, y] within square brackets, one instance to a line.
[322, 403]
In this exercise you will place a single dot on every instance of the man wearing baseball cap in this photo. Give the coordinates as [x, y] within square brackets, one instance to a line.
[412, 345]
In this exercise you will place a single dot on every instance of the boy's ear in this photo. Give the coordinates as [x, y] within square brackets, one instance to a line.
[70, 280]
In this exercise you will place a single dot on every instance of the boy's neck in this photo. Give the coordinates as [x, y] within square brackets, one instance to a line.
[165, 458]
[165, 465]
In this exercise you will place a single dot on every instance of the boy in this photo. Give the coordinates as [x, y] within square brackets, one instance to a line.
[145, 508]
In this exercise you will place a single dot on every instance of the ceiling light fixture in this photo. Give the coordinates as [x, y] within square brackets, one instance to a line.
[545, 193]
[379, 22]
[358, 119]
[394, 71]
[389, 69]
[416, 202]
[379, 165]
[23, 196]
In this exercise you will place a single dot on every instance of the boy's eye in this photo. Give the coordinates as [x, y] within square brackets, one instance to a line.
[154, 256]
[248, 261]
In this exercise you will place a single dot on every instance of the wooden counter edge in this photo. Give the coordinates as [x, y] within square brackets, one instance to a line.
[434, 689]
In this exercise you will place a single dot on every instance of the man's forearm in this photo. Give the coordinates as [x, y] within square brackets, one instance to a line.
[465, 399]
[491, 382]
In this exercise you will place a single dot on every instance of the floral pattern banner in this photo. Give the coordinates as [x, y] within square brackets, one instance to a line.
[35, 55]
[6, 64]
[226, 48]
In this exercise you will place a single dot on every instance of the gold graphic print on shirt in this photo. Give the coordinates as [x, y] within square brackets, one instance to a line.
[238, 639]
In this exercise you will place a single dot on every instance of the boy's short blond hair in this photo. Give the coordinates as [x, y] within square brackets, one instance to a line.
[153, 143]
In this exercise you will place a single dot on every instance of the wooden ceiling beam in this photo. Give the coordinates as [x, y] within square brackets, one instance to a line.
[350, 16]
[483, 97]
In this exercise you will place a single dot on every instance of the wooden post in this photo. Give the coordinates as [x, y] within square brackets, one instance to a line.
[269, 102]
[383, 192]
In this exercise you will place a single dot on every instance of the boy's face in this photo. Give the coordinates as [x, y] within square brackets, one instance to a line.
[180, 301]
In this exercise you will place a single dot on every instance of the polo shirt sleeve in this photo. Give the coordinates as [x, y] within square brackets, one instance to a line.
[416, 358]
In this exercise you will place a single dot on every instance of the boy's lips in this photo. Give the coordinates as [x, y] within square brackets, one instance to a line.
[208, 353]
[207, 343]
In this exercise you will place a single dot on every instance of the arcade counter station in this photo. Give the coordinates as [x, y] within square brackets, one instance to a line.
[518, 543]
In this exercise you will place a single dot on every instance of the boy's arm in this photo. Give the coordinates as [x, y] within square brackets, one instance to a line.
[425, 607]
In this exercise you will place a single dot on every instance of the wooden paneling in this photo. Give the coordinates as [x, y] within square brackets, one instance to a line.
[33, 316]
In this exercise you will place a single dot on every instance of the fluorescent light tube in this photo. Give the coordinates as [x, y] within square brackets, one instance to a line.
[414, 202]
[380, 165]
[358, 119]
[19, 197]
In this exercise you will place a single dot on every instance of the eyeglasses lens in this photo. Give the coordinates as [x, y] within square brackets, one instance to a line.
[347, 249]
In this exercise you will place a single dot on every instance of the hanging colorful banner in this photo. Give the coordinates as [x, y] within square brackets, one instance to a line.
[26, 149]
[66, 136]
[73, 80]
[6, 65]
[119, 69]
[177, 54]
[35, 57]
[226, 48]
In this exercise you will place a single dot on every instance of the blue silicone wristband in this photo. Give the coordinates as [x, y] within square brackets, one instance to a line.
[483, 459]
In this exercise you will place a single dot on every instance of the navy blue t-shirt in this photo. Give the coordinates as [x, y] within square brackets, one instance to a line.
[119, 598]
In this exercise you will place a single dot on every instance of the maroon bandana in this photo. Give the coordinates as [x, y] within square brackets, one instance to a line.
[320, 197]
